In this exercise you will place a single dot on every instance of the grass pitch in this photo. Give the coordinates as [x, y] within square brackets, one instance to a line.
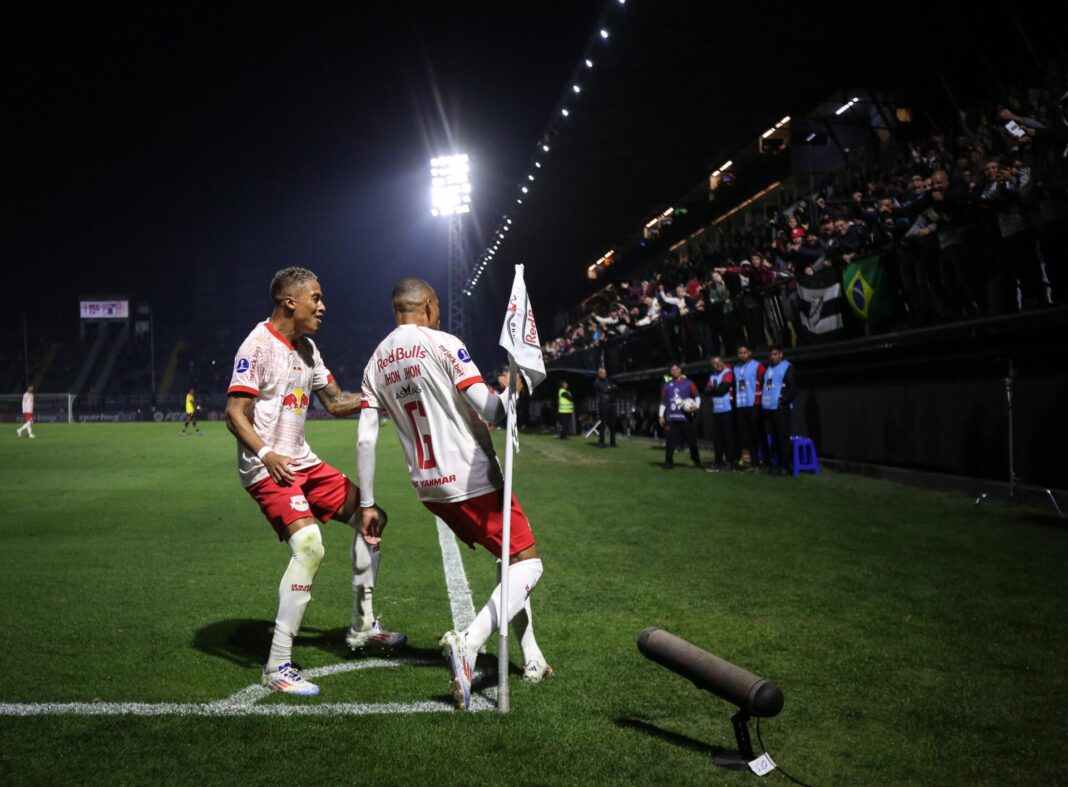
[916, 638]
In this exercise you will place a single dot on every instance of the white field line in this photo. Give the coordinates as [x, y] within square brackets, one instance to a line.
[243, 702]
[463, 607]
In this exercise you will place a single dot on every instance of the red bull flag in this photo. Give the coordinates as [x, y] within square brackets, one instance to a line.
[519, 334]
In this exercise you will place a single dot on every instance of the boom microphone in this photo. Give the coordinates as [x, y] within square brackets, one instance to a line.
[754, 696]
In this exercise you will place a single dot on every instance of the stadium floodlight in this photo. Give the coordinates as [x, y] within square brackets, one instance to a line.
[530, 177]
[589, 63]
[604, 33]
[565, 112]
[525, 190]
[576, 88]
[508, 220]
[545, 148]
[537, 164]
[450, 187]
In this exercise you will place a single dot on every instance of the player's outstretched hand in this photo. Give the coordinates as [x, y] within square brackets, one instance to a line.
[278, 467]
[506, 378]
[371, 522]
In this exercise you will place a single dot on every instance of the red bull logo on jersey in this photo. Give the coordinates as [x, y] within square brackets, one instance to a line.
[296, 401]
[298, 503]
[397, 354]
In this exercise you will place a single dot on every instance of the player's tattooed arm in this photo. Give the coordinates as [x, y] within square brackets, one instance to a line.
[337, 402]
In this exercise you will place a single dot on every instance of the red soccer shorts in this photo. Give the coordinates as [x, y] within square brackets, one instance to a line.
[27, 416]
[480, 520]
[317, 491]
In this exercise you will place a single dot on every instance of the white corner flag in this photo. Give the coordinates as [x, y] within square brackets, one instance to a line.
[519, 336]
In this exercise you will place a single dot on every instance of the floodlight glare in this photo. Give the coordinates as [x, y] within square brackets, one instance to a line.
[604, 33]
[564, 112]
[525, 190]
[537, 164]
[545, 148]
[576, 88]
[589, 63]
[450, 188]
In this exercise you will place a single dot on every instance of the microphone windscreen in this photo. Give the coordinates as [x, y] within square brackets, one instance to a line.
[757, 696]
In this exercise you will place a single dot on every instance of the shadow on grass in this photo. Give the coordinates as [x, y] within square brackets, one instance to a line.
[246, 642]
[243, 642]
[673, 738]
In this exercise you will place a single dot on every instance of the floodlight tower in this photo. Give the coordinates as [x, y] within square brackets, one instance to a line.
[450, 195]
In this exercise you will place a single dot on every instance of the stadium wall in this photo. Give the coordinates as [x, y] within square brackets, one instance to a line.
[932, 399]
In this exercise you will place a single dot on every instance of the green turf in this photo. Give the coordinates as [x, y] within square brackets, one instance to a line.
[917, 639]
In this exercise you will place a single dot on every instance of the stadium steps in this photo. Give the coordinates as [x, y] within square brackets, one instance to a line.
[171, 371]
[91, 358]
[102, 378]
[44, 365]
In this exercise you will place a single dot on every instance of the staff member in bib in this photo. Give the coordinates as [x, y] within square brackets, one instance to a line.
[720, 387]
[780, 390]
[565, 411]
[748, 374]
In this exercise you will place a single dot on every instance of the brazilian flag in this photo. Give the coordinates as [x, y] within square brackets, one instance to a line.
[862, 284]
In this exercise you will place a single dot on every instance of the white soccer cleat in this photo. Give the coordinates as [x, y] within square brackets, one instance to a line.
[376, 635]
[288, 680]
[454, 646]
[536, 671]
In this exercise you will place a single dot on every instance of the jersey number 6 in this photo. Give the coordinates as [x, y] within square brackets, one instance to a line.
[424, 450]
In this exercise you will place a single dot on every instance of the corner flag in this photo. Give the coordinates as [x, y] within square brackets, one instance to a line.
[519, 336]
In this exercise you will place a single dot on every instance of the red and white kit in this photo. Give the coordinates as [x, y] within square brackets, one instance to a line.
[416, 375]
[282, 377]
[27, 406]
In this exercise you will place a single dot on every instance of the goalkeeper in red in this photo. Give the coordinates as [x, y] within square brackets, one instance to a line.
[427, 382]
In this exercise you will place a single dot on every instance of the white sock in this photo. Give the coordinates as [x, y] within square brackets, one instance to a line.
[294, 592]
[523, 624]
[522, 577]
[365, 559]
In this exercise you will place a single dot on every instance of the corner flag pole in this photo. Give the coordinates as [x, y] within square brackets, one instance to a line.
[503, 699]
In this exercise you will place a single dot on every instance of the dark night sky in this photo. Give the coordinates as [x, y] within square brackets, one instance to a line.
[182, 154]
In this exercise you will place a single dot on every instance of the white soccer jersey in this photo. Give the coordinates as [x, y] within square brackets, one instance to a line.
[417, 375]
[27, 403]
[282, 378]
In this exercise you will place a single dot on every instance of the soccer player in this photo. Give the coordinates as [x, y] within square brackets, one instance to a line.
[190, 412]
[427, 382]
[27, 413]
[276, 369]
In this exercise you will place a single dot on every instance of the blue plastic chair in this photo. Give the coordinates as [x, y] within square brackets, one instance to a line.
[804, 455]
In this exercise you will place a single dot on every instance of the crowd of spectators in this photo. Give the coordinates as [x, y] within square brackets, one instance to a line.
[967, 220]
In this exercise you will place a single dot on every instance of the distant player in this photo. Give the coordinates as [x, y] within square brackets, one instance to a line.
[276, 369]
[427, 383]
[27, 413]
[191, 412]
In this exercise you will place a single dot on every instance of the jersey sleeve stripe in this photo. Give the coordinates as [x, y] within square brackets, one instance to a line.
[242, 389]
[468, 383]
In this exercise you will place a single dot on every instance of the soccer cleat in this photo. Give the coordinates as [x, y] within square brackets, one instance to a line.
[454, 646]
[288, 680]
[376, 635]
[536, 671]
